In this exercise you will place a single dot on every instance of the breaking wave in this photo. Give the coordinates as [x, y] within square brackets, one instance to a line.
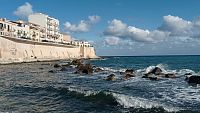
[101, 97]
[123, 100]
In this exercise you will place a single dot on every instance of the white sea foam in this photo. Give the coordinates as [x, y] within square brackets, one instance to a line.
[189, 94]
[136, 102]
[113, 70]
[127, 101]
[82, 91]
[184, 71]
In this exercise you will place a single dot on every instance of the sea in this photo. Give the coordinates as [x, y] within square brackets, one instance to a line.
[38, 87]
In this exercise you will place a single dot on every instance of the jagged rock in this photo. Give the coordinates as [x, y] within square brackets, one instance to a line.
[77, 62]
[145, 76]
[188, 73]
[98, 69]
[121, 73]
[86, 69]
[52, 71]
[153, 78]
[110, 77]
[127, 76]
[155, 71]
[193, 79]
[150, 77]
[129, 71]
[56, 66]
[170, 75]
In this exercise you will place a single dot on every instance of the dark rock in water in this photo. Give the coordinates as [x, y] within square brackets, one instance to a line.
[110, 77]
[188, 73]
[86, 69]
[155, 71]
[52, 71]
[64, 69]
[150, 77]
[41, 68]
[193, 80]
[98, 69]
[121, 73]
[127, 76]
[153, 78]
[56, 65]
[170, 75]
[77, 62]
[145, 76]
[129, 71]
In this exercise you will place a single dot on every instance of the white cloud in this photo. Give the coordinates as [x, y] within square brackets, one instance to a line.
[94, 19]
[24, 11]
[173, 27]
[83, 25]
[121, 30]
[176, 25]
[112, 40]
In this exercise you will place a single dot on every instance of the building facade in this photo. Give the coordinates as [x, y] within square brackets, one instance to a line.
[50, 24]
[41, 28]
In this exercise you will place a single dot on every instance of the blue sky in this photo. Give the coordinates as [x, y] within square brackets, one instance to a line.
[123, 27]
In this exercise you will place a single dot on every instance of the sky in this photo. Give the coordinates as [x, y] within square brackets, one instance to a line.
[121, 27]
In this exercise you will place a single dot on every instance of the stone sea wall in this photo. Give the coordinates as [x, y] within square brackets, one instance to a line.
[13, 50]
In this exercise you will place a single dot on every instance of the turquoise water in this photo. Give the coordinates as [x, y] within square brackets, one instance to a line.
[30, 87]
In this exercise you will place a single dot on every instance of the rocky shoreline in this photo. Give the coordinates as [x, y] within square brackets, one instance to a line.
[83, 67]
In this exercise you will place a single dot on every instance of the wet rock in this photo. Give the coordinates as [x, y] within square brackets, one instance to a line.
[121, 73]
[129, 71]
[110, 77]
[145, 76]
[155, 71]
[150, 77]
[127, 76]
[56, 66]
[170, 75]
[85, 69]
[193, 79]
[77, 62]
[98, 69]
[188, 73]
[52, 71]
[153, 78]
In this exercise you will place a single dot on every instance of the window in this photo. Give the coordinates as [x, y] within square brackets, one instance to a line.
[1, 26]
[5, 26]
[8, 28]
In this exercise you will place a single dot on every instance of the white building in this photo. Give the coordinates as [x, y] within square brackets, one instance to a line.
[50, 24]
[18, 29]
